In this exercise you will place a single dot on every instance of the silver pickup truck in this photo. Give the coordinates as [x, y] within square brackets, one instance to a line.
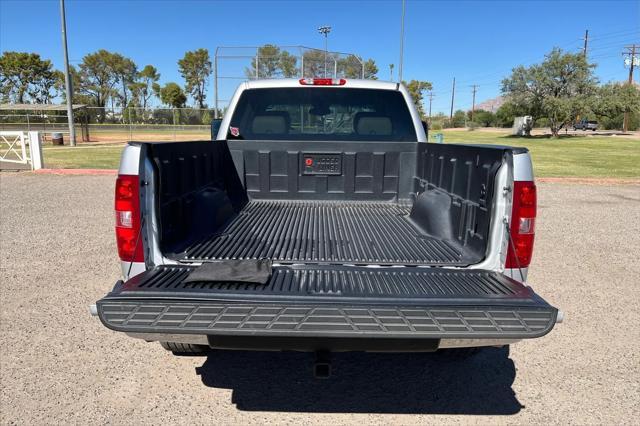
[320, 219]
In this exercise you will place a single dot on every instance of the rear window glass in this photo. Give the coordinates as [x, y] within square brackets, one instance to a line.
[312, 113]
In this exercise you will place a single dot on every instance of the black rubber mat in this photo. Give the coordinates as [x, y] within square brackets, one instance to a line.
[340, 232]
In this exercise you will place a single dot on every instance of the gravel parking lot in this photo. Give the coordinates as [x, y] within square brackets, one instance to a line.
[59, 365]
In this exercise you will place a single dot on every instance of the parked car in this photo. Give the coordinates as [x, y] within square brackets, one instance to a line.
[319, 220]
[586, 125]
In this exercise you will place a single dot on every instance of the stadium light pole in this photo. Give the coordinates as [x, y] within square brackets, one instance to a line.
[401, 44]
[325, 30]
[67, 77]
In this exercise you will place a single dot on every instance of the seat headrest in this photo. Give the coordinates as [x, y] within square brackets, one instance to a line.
[276, 122]
[372, 123]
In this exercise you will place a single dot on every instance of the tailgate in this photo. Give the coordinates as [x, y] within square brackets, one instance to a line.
[331, 301]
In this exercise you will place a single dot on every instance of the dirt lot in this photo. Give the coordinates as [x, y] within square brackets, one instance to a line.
[59, 365]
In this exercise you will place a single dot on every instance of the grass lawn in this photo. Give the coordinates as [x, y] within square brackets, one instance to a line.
[567, 156]
[82, 157]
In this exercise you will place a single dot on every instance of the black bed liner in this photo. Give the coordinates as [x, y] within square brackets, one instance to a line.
[331, 301]
[334, 232]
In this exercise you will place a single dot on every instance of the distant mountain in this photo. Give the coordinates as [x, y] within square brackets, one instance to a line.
[491, 105]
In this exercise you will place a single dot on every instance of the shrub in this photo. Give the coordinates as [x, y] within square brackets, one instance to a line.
[472, 125]
[436, 126]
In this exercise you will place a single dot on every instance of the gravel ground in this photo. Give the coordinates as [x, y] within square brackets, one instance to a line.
[59, 365]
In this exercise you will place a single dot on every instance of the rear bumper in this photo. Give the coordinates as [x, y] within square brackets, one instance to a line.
[355, 311]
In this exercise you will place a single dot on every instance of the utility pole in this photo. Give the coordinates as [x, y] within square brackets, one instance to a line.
[325, 30]
[67, 78]
[473, 102]
[631, 50]
[215, 83]
[586, 42]
[401, 43]
[430, 101]
[390, 72]
[453, 95]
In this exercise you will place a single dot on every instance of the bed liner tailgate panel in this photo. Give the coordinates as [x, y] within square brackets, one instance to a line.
[331, 301]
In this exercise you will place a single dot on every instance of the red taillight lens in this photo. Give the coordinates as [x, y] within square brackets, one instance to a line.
[323, 81]
[127, 206]
[523, 220]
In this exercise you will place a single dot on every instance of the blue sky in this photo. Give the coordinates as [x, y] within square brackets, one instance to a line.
[478, 42]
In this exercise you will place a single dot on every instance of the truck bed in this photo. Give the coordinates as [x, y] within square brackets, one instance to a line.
[325, 231]
[394, 203]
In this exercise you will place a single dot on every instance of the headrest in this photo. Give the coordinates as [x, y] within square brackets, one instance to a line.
[276, 122]
[372, 123]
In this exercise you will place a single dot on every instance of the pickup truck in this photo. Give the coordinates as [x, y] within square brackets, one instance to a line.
[586, 125]
[320, 220]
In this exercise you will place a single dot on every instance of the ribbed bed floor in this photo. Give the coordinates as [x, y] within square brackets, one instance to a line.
[332, 232]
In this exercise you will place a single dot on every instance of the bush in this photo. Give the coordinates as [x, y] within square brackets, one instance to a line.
[436, 126]
[541, 122]
[616, 123]
[459, 118]
[472, 125]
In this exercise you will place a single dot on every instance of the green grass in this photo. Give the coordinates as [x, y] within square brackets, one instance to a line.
[567, 156]
[82, 157]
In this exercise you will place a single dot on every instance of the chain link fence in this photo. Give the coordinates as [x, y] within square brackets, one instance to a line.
[115, 124]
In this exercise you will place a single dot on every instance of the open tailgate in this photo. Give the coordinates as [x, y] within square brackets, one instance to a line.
[331, 301]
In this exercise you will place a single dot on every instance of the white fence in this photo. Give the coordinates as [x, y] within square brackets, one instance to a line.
[21, 148]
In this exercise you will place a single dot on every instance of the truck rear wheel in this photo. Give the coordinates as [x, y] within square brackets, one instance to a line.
[185, 348]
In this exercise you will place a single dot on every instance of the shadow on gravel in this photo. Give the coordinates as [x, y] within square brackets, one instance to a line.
[366, 382]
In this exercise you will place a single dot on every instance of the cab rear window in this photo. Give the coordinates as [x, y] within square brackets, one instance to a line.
[332, 114]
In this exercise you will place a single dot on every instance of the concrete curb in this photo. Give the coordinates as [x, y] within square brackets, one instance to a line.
[89, 172]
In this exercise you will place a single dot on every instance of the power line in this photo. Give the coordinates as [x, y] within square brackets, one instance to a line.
[616, 34]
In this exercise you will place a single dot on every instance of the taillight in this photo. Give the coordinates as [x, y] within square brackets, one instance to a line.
[523, 224]
[127, 206]
[323, 81]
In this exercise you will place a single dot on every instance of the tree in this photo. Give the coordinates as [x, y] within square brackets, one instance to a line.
[266, 62]
[459, 119]
[352, 67]
[26, 77]
[416, 89]
[97, 79]
[272, 62]
[314, 63]
[146, 86]
[173, 95]
[560, 88]
[482, 117]
[195, 68]
[506, 114]
[288, 64]
[126, 72]
[614, 99]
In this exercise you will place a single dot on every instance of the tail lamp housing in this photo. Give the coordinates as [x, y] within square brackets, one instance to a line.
[523, 221]
[127, 211]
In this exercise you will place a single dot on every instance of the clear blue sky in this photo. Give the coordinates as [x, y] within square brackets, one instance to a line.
[478, 42]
